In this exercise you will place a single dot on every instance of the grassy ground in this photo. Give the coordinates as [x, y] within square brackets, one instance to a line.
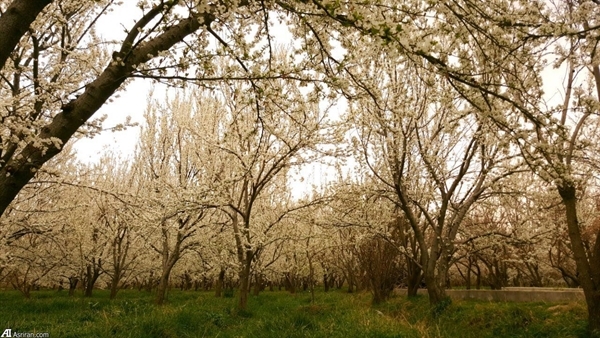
[279, 314]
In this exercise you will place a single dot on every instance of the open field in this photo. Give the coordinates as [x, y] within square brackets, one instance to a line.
[279, 314]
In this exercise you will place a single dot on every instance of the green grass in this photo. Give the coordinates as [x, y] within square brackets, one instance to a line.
[279, 314]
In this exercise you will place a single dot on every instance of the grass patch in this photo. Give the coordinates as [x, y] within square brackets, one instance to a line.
[279, 314]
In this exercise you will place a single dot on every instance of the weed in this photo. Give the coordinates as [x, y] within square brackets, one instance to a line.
[440, 307]
[216, 319]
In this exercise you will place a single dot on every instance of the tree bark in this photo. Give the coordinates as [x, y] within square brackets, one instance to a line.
[290, 282]
[245, 283]
[468, 278]
[325, 282]
[120, 249]
[588, 277]
[258, 282]
[114, 284]
[477, 277]
[593, 305]
[162, 286]
[15, 22]
[414, 278]
[91, 276]
[169, 261]
[220, 284]
[73, 281]
[435, 290]
[436, 264]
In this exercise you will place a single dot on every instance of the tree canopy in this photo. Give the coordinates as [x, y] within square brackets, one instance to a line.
[445, 116]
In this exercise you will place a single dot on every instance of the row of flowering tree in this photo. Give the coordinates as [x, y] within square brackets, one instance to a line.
[209, 166]
[446, 100]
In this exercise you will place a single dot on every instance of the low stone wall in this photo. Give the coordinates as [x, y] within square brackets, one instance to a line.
[513, 294]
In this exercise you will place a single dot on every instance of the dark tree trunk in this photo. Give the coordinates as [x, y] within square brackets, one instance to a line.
[477, 277]
[571, 280]
[588, 266]
[497, 273]
[186, 282]
[114, 284]
[244, 285]
[468, 278]
[534, 271]
[436, 292]
[220, 284]
[91, 276]
[435, 275]
[593, 305]
[290, 282]
[73, 281]
[325, 282]
[161, 292]
[15, 22]
[340, 283]
[163, 285]
[258, 282]
[26, 290]
[414, 278]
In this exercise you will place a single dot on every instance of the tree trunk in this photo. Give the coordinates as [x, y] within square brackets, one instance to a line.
[414, 278]
[435, 276]
[340, 282]
[161, 292]
[378, 296]
[351, 281]
[220, 284]
[477, 277]
[73, 285]
[497, 277]
[91, 276]
[244, 285]
[114, 284]
[593, 305]
[413, 285]
[571, 280]
[588, 277]
[187, 281]
[468, 278]
[257, 284]
[436, 292]
[26, 290]
[15, 22]
[290, 282]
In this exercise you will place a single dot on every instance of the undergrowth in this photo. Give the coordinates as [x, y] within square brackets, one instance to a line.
[279, 314]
